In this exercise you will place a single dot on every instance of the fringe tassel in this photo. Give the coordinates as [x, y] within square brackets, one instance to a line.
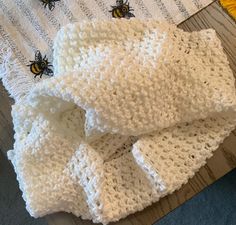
[13, 75]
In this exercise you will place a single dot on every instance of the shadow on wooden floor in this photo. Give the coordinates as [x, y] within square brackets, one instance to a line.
[12, 206]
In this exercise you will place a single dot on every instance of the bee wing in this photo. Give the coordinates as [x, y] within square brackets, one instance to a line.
[119, 2]
[38, 56]
[51, 5]
[48, 71]
[130, 15]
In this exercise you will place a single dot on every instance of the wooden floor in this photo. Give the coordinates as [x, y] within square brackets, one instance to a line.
[223, 161]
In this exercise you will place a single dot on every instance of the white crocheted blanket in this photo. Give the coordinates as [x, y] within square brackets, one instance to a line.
[134, 110]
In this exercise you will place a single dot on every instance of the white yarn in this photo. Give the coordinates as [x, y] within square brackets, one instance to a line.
[134, 110]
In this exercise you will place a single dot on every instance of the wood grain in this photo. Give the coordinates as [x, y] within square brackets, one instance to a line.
[6, 127]
[223, 161]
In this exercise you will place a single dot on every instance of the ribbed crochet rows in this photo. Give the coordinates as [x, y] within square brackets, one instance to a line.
[135, 109]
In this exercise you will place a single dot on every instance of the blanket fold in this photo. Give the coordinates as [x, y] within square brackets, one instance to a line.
[134, 110]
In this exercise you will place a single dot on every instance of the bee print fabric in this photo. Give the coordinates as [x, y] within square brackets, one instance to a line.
[40, 65]
[27, 26]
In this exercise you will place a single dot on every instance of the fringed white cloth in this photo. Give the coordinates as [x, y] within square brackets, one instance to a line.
[12, 73]
[134, 110]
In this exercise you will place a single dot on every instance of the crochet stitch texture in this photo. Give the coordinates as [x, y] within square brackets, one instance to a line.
[134, 110]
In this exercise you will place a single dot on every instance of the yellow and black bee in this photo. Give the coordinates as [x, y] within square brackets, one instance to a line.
[122, 10]
[49, 3]
[40, 66]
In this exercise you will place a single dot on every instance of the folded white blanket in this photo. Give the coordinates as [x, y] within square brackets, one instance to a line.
[134, 110]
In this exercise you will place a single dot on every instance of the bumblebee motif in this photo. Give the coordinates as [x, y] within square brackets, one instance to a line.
[49, 3]
[40, 66]
[122, 10]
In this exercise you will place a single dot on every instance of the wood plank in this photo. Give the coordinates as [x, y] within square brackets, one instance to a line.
[6, 126]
